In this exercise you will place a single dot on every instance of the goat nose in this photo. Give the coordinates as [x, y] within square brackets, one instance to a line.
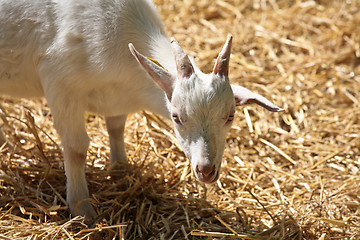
[206, 170]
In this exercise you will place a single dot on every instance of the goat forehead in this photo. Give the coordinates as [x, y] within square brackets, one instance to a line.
[203, 97]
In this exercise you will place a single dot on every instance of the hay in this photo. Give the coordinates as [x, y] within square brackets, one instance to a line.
[291, 175]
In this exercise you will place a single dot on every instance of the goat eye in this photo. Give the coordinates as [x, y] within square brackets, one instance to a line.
[230, 118]
[176, 118]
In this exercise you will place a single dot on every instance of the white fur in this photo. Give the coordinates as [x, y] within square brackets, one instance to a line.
[75, 53]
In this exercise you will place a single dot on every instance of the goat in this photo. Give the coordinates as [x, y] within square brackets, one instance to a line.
[75, 53]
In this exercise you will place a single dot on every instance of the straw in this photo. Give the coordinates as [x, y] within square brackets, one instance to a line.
[290, 175]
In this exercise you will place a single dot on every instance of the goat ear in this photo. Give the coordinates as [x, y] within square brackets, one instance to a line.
[222, 62]
[245, 96]
[183, 65]
[159, 74]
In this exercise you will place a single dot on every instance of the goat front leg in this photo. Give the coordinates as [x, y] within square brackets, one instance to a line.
[70, 125]
[76, 187]
[115, 127]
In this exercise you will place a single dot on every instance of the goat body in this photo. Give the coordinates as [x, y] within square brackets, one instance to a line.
[76, 54]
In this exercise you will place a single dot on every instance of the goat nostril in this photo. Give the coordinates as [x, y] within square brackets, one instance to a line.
[206, 171]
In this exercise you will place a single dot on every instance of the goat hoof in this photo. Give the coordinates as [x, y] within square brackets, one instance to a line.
[86, 210]
[119, 169]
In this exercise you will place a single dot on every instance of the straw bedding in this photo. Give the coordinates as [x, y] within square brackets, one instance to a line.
[291, 175]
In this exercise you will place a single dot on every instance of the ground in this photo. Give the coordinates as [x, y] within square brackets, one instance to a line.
[290, 175]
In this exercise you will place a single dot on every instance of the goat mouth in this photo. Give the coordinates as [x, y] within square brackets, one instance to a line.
[208, 179]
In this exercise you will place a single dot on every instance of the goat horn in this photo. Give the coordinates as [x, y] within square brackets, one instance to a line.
[184, 67]
[222, 62]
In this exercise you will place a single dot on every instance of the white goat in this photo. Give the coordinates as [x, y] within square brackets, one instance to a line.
[76, 54]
